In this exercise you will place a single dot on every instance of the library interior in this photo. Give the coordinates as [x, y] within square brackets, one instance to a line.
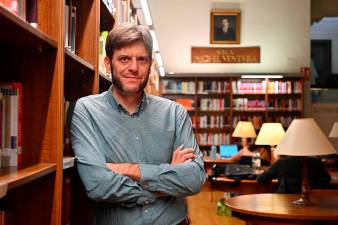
[253, 83]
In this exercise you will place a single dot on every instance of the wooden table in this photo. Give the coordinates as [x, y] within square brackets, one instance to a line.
[243, 186]
[272, 209]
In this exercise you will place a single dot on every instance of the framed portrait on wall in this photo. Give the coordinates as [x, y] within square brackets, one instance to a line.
[225, 26]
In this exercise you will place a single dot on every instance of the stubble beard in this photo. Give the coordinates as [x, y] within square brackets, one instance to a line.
[118, 84]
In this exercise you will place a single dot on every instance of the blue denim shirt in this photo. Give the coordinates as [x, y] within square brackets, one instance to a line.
[103, 131]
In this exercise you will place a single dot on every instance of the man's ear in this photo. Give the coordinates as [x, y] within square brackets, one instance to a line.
[106, 62]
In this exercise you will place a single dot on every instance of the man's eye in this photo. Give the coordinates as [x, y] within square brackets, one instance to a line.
[143, 59]
[123, 59]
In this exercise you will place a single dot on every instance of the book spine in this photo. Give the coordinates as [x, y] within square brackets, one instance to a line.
[12, 124]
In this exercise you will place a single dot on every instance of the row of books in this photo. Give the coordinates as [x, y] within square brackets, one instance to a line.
[178, 87]
[284, 120]
[213, 121]
[213, 138]
[248, 104]
[210, 87]
[262, 87]
[70, 25]
[257, 121]
[11, 124]
[238, 87]
[285, 104]
[284, 87]
[248, 87]
[26, 9]
[214, 104]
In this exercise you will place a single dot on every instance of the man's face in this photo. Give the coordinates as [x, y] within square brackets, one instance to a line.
[130, 68]
[225, 23]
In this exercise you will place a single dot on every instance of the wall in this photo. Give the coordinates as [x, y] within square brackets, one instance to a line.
[280, 27]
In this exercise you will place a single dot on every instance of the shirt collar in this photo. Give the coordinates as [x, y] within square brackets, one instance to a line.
[118, 107]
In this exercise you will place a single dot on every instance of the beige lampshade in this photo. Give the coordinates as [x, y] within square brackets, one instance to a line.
[244, 129]
[270, 134]
[334, 131]
[304, 138]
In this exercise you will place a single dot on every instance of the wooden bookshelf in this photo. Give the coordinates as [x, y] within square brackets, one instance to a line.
[220, 102]
[46, 187]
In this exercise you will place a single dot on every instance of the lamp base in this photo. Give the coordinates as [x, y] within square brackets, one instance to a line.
[305, 193]
[303, 201]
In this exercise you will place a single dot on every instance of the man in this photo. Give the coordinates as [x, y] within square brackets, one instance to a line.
[288, 171]
[224, 31]
[124, 142]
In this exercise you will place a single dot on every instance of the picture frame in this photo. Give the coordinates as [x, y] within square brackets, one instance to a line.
[225, 26]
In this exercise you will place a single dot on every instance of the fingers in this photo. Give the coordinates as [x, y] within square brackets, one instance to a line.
[182, 155]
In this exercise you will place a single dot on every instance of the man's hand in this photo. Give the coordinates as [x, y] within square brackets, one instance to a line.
[127, 169]
[182, 155]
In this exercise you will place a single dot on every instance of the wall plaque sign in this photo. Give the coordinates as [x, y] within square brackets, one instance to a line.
[225, 55]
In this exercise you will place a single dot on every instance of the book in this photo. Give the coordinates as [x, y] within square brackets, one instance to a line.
[32, 12]
[11, 154]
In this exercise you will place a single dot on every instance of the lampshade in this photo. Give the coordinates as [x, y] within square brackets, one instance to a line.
[270, 134]
[334, 130]
[244, 129]
[304, 138]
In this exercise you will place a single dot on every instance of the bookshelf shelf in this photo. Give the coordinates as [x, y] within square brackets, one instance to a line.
[15, 177]
[105, 77]
[22, 34]
[77, 62]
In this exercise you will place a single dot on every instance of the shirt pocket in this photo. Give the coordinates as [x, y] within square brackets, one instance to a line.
[163, 144]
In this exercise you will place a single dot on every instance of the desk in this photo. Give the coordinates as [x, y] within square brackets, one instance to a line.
[208, 163]
[243, 186]
[273, 209]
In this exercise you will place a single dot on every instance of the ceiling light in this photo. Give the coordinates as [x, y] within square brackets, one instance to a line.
[159, 59]
[262, 76]
[162, 72]
[146, 12]
[156, 47]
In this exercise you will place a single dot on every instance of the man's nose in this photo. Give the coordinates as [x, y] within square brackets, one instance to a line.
[133, 65]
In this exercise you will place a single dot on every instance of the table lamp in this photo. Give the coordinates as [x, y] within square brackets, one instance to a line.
[270, 134]
[244, 129]
[304, 138]
[334, 131]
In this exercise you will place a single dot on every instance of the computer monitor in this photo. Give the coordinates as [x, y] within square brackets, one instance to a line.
[226, 151]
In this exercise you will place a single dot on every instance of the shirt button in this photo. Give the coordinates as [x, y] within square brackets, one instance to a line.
[146, 202]
[146, 210]
[136, 137]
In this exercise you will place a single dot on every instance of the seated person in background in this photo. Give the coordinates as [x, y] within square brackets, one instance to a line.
[288, 171]
[245, 154]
